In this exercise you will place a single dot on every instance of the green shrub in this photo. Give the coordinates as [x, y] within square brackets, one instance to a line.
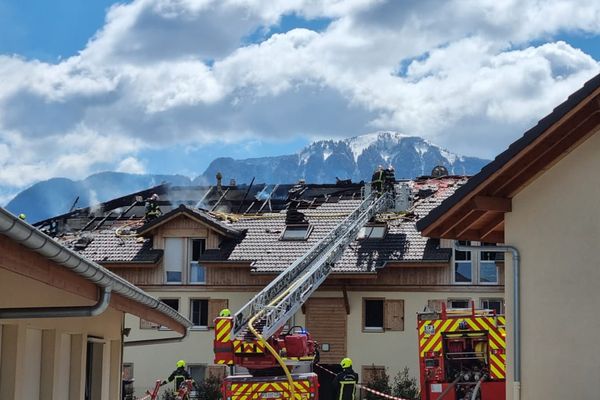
[405, 386]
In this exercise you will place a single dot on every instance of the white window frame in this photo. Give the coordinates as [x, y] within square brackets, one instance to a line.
[167, 267]
[190, 261]
[454, 261]
[476, 264]
[373, 329]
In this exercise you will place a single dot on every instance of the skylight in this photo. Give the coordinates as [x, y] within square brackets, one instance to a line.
[296, 232]
[372, 232]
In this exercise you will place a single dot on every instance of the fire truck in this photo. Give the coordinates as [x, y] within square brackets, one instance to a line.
[277, 361]
[462, 354]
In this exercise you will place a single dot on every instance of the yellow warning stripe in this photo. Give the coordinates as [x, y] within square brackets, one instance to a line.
[492, 330]
[223, 334]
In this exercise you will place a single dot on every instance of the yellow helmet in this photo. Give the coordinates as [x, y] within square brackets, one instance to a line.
[181, 363]
[346, 363]
[225, 313]
[22, 216]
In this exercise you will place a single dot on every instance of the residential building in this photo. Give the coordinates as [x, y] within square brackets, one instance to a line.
[215, 247]
[62, 317]
[541, 196]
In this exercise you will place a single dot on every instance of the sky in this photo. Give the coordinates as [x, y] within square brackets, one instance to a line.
[166, 86]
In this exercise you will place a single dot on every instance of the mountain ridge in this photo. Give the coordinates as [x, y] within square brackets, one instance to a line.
[322, 161]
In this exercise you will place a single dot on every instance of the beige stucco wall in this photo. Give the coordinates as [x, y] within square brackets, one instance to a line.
[37, 355]
[555, 223]
[392, 349]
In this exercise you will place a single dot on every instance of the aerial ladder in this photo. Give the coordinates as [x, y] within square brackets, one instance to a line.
[254, 338]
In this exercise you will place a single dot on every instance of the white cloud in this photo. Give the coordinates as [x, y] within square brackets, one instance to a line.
[131, 165]
[160, 72]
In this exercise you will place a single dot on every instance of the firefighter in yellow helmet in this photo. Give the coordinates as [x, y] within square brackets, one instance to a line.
[344, 383]
[225, 313]
[179, 375]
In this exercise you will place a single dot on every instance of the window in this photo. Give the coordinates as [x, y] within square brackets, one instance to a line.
[199, 312]
[381, 315]
[174, 259]
[459, 303]
[197, 371]
[174, 304]
[373, 315]
[463, 265]
[197, 270]
[488, 270]
[493, 304]
[296, 232]
[372, 232]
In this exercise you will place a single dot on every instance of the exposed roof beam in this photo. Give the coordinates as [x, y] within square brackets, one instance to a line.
[492, 203]
[464, 224]
[493, 227]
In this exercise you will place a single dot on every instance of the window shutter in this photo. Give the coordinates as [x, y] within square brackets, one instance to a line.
[435, 305]
[394, 315]
[214, 308]
[218, 371]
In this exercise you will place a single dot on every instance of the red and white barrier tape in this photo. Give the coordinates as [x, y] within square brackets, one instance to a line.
[368, 389]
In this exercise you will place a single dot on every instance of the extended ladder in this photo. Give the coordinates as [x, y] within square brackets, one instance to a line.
[297, 282]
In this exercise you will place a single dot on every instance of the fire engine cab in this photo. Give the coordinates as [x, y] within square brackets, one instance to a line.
[462, 354]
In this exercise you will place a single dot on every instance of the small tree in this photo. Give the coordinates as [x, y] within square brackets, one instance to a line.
[210, 389]
[405, 386]
[379, 381]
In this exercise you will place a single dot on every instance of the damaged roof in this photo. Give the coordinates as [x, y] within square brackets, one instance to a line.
[255, 238]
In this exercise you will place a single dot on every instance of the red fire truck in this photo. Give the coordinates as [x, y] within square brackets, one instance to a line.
[462, 354]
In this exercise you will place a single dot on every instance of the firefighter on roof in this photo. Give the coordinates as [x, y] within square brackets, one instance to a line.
[179, 375]
[378, 179]
[344, 383]
[152, 208]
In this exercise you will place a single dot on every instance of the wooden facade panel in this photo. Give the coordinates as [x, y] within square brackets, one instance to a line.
[214, 308]
[415, 276]
[234, 275]
[326, 320]
[141, 276]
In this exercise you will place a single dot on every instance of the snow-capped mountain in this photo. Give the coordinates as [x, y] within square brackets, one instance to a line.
[320, 162]
[353, 158]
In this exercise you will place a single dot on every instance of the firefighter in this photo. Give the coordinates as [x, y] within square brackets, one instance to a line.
[179, 375]
[378, 180]
[344, 383]
[152, 208]
[389, 177]
[225, 313]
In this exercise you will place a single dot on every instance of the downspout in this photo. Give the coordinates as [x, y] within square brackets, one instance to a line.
[60, 312]
[516, 306]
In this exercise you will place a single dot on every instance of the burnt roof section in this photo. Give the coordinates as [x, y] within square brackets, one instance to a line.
[402, 244]
[512, 151]
[201, 215]
[254, 238]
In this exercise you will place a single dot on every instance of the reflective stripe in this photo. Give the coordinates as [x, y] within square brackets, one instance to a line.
[343, 385]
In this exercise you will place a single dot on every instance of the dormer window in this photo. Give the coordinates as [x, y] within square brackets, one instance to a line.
[296, 232]
[372, 232]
